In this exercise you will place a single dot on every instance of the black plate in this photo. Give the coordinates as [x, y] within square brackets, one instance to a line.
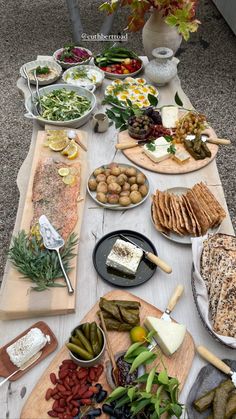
[102, 249]
[208, 378]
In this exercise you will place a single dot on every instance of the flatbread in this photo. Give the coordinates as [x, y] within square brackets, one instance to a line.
[212, 202]
[156, 217]
[199, 214]
[225, 319]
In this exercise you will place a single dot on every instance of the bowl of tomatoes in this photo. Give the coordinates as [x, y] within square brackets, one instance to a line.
[118, 63]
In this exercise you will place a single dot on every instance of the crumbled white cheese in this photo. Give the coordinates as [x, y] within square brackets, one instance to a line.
[27, 346]
[124, 257]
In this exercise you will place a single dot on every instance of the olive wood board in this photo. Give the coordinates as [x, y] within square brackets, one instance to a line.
[168, 166]
[7, 367]
[178, 365]
[208, 378]
[16, 298]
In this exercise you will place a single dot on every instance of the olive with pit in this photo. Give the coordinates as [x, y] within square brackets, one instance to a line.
[115, 171]
[98, 171]
[126, 186]
[124, 201]
[101, 178]
[131, 171]
[101, 197]
[92, 184]
[143, 189]
[122, 178]
[112, 198]
[111, 179]
[134, 187]
[102, 187]
[135, 197]
[132, 180]
[141, 179]
[114, 187]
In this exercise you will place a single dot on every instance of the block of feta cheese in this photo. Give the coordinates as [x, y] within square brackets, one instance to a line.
[124, 257]
[169, 115]
[158, 150]
[169, 335]
[27, 346]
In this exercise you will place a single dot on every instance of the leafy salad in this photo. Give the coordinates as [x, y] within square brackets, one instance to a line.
[63, 105]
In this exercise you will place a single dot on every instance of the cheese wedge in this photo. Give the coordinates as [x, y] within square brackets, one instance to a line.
[169, 115]
[169, 335]
[159, 152]
[181, 156]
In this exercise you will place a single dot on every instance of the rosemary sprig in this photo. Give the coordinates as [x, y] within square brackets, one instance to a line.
[37, 263]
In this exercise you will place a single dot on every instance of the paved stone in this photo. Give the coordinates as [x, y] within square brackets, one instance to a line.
[207, 71]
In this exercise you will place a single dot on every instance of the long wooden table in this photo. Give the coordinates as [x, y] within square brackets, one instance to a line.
[96, 223]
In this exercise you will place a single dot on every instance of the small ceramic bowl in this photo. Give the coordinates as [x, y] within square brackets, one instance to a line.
[95, 76]
[55, 74]
[94, 361]
[66, 65]
[113, 76]
[109, 369]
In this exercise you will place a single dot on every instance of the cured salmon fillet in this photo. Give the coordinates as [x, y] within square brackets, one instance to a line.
[53, 198]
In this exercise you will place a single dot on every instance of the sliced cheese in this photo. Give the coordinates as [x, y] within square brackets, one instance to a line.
[169, 115]
[181, 156]
[160, 152]
[169, 335]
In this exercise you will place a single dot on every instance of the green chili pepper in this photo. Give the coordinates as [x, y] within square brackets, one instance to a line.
[141, 359]
[150, 379]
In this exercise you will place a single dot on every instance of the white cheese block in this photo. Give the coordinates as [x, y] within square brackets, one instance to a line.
[124, 257]
[169, 115]
[160, 153]
[169, 335]
[181, 156]
[27, 346]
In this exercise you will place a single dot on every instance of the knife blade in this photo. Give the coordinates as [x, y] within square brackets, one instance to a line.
[172, 303]
[150, 256]
[214, 360]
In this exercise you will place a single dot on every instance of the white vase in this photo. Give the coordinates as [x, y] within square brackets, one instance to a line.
[163, 68]
[156, 33]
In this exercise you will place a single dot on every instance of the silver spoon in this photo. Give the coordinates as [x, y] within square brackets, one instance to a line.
[53, 241]
[23, 367]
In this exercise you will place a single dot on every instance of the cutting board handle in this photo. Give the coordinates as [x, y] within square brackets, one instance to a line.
[175, 297]
[126, 145]
[222, 141]
[213, 359]
[159, 262]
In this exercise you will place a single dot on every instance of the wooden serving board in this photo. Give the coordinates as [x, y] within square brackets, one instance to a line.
[178, 365]
[169, 166]
[7, 367]
[16, 298]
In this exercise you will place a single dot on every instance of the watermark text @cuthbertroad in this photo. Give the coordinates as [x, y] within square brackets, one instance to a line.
[101, 37]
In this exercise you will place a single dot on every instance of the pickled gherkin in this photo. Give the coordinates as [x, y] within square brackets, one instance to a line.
[230, 410]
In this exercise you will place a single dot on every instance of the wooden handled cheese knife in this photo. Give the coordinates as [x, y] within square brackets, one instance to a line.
[214, 360]
[150, 256]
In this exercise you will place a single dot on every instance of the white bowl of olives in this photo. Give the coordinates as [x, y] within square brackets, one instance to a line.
[118, 186]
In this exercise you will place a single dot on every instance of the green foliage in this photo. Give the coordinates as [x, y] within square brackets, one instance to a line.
[38, 264]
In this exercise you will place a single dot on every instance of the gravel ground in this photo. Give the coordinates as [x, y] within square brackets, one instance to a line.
[207, 71]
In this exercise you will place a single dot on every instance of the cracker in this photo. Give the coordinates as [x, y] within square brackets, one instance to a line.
[156, 217]
[185, 217]
[212, 202]
[191, 215]
[225, 319]
[199, 214]
[175, 218]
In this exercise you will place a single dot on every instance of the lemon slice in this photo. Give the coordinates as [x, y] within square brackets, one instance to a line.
[64, 171]
[69, 180]
[58, 145]
[71, 151]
